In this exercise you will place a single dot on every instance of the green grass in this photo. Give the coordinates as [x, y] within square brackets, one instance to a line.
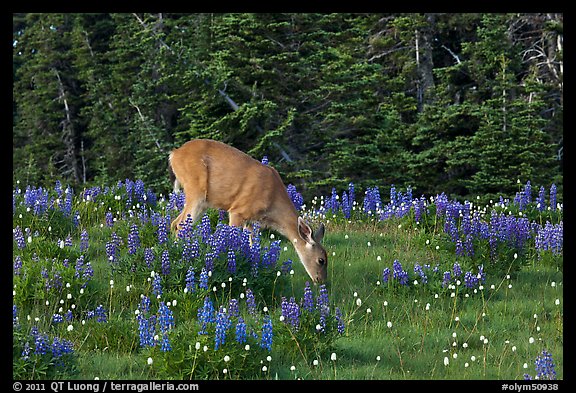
[420, 339]
[417, 343]
[421, 331]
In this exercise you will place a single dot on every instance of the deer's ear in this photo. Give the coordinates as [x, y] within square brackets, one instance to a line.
[305, 231]
[319, 233]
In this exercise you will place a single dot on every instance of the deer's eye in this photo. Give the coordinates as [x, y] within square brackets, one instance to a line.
[321, 261]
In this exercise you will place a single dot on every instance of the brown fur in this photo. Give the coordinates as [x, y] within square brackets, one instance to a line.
[216, 175]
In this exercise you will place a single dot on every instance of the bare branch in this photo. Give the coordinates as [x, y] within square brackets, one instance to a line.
[454, 55]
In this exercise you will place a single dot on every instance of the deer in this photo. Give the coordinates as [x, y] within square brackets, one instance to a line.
[216, 175]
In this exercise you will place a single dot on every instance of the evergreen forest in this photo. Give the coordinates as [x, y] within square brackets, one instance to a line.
[461, 103]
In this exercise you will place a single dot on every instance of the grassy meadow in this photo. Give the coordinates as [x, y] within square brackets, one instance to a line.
[419, 288]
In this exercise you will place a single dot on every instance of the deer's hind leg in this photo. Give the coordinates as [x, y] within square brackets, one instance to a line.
[195, 207]
[195, 185]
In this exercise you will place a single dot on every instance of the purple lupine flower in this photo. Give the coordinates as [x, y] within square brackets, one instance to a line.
[459, 248]
[481, 274]
[223, 323]
[553, 192]
[206, 315]
[100, 314]
[290, 312]
[446, 278]
[456, 269]
[271, 254]
[372, 202]
[541, 200]
[203, 279]
[205, 228]
[399, 273]
[14, 316]
[186, 248]
[441, 203]
[165, 317]
[240, 331]
[41, 344]
[26, 351]
[233, 308]
[39, 199]
[345, 205]
[176, 201]
[111, 251]
[194, 249]
[295, 196]
[139, 190]
[165, 262]
[190, 280]
[419, 208]
[450, 222]
[109, 219]
[267, 334]
[17, 265]
[148, 257]
[58, 188]
[250, 302]
[255, 249]
[545, 367]
[186, 227]
[157, 285]
[146, 331]
[470, 280]
[133, 239]
[469, 245]
[76, 219]
[231, 262]
[418, 270]
[162, 230]
[332, 202]
[55, 282]
[128, 185]
[308, 302]
[68, 241]
[550, 237]
[244, 245]
[67, 205]
[87, 274]
[323, 306]
[19, 237]
[79, 267]
[385, 275]
[59, 348]
[528, 192]
[265, 160]
[393, 195]
[146, 326]
[112, 247]
[209, 261]
[144, 305]
[83, 240]
[286, 266]
[322, 301]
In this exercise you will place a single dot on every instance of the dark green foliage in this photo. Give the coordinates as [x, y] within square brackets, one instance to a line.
[456, 103]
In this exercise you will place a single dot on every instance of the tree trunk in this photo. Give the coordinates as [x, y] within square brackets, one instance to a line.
[424, 61]
[70, 156]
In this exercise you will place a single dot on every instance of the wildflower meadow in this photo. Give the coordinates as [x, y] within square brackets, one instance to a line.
[419, 287]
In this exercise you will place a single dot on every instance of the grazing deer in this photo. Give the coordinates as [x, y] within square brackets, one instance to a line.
[219, 176]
